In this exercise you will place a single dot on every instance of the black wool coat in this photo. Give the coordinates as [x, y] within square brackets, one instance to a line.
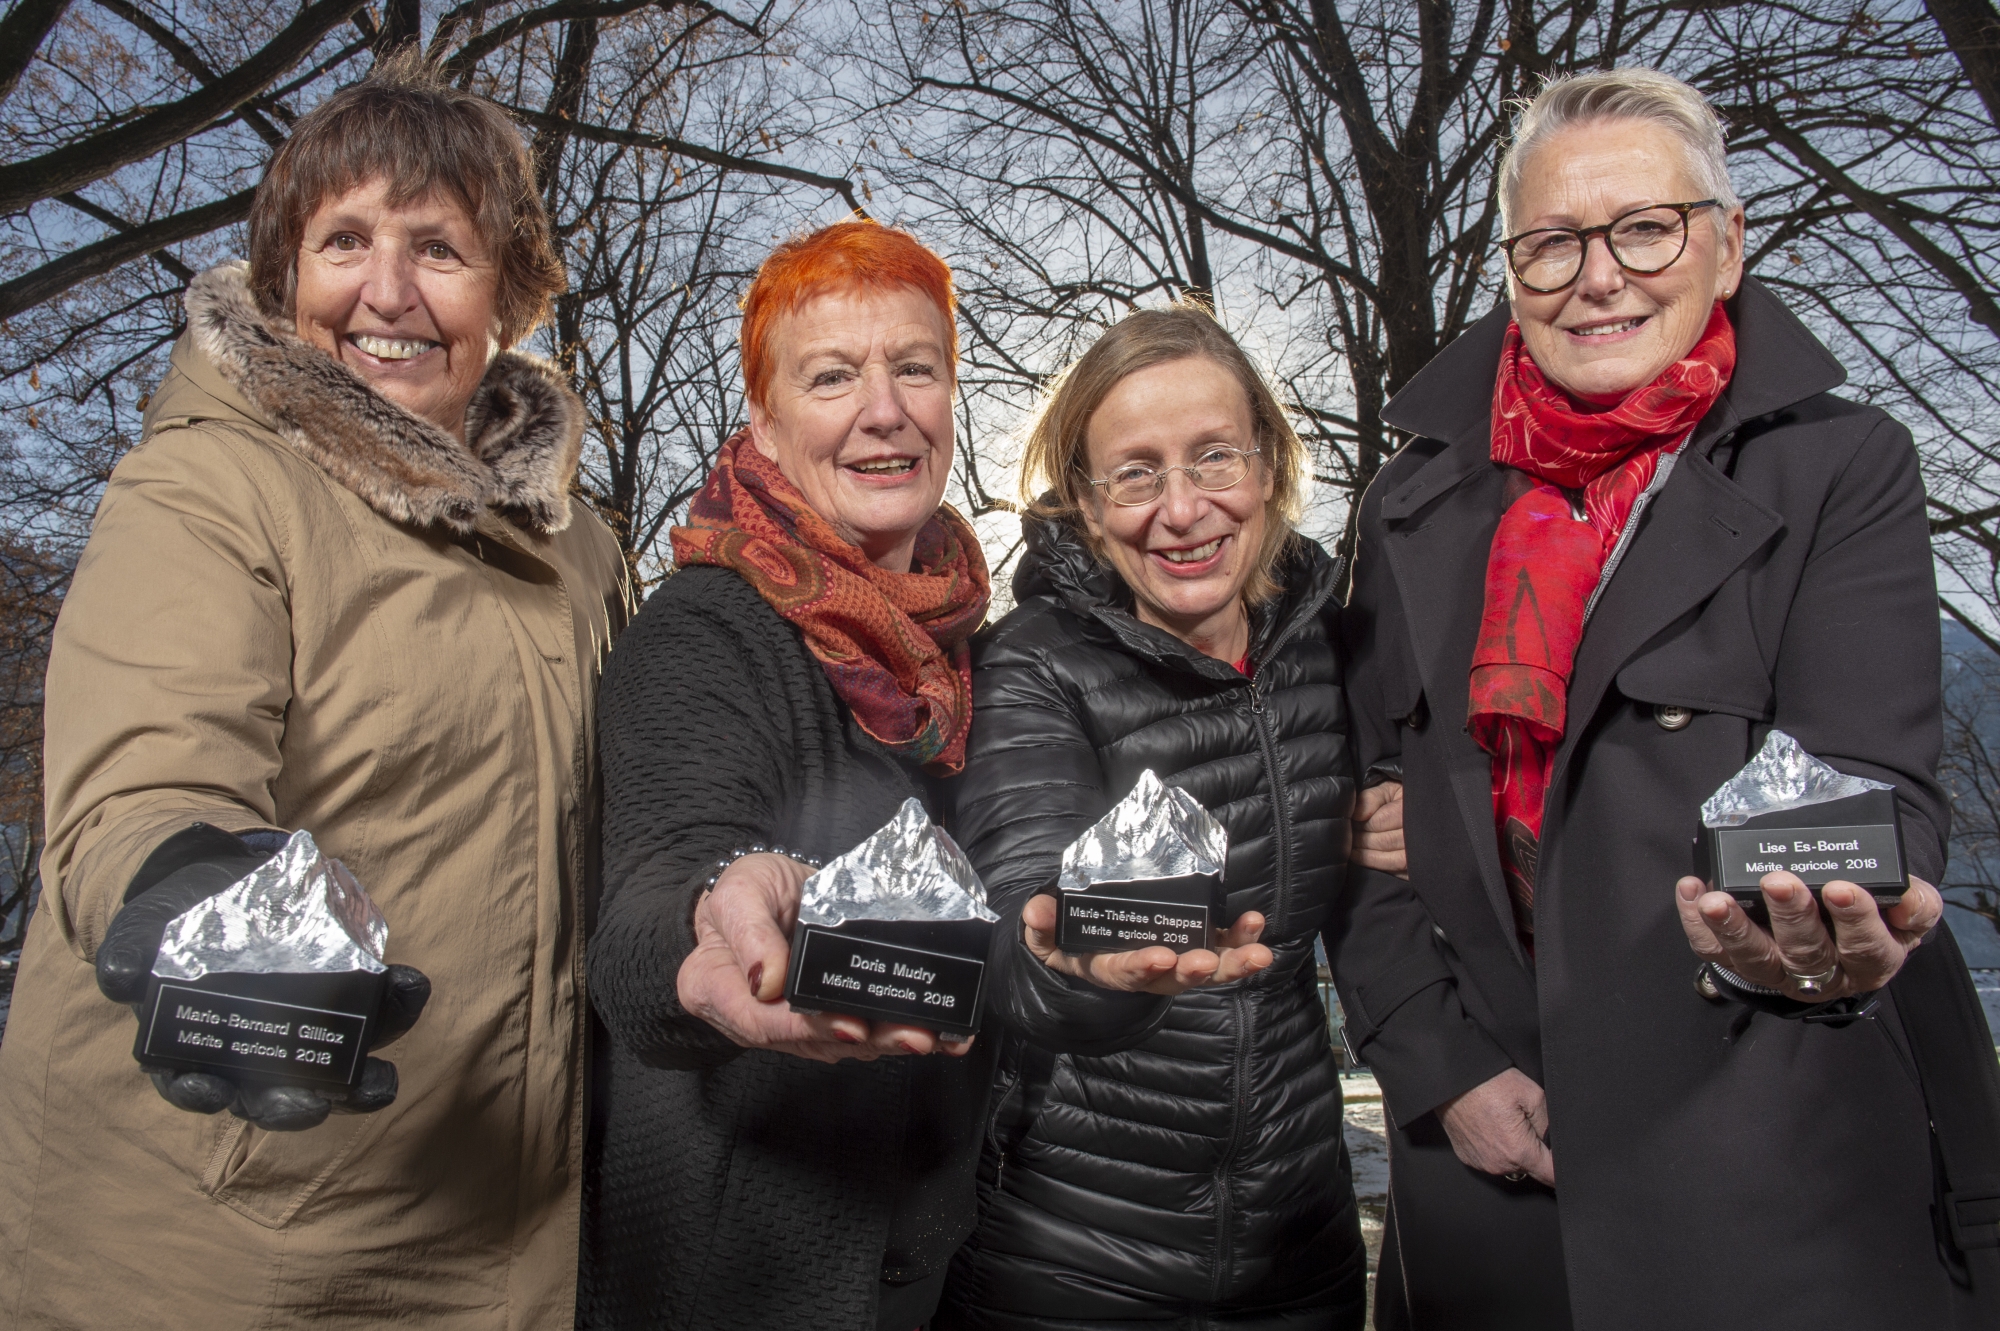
[1716, 1167]
[1157, 1160]
[727, 1187]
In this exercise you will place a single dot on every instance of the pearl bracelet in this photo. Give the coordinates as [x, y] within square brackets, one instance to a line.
[737, 854]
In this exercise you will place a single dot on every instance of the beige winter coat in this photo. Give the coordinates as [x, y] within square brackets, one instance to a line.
[302, 607]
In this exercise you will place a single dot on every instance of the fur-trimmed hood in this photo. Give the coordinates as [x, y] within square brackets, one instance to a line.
[524, 427]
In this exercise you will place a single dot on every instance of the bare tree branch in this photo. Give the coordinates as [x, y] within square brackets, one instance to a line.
[756, 166]
[1991, 643]
[1972, 28]
[1978, 299]
[187, 58]
[98, 155]
[21, 34]
[58, 276]
[519, 25]
[117, 223]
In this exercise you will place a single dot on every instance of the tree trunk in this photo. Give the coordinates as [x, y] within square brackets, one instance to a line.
[1972, 29]
[96, 156]
[21, 34]
[402, 25]
[565, 99]
[59, 275]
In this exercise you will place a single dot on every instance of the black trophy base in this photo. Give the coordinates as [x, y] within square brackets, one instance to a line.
[929, 973]
[1856, 840]
[289, 1030]
[1157, 912]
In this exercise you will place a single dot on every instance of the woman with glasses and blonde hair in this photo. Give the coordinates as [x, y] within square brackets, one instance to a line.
[1634, 535]
[1165, 1139]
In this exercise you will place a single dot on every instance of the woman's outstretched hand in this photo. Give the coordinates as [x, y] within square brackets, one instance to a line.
[735, 978]
[1864, 950]
[1150, 970]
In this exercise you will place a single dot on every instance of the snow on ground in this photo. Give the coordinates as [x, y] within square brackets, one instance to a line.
[1368, 1149]
[1988, 984]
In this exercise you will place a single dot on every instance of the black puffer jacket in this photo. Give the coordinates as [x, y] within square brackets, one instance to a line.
[1152, 1159]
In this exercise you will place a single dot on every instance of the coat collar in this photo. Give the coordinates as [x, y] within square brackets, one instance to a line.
[524, 427]
[1057, 562]
[1699, 529]
[1778, 363]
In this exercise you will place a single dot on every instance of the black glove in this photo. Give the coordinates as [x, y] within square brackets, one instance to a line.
[186, 869]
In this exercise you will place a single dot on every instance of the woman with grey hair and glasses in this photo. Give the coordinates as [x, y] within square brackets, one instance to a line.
[1634, 535]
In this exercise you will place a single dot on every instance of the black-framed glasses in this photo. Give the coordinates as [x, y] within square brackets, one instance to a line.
[1644, 241]
[1218, 468]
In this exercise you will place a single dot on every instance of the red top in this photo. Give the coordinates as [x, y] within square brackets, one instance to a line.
[1243, 666]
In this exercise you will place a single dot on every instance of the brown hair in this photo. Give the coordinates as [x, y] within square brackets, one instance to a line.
[1055, 466]
[403, 124]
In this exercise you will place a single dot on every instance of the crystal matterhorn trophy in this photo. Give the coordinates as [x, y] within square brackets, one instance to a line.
[1787, 810]
[1147, 874]
[276, 979]
[895, 930]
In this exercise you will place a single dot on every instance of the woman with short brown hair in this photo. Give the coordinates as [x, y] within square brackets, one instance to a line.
[340, 586]
[421, 136]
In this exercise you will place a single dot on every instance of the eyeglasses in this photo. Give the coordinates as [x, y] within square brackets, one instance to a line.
[1218, 468]
[1643, 241]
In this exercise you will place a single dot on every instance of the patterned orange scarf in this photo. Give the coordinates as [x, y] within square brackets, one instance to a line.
[1545, 564]
[893, 644]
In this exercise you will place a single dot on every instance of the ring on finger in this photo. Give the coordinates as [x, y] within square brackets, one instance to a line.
[1813, 985]
[1515, 1175]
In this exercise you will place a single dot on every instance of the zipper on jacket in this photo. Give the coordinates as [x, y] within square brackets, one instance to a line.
[1240, 1095]
[1281, 803]
[1281, 812]
[1007, 1080]
[1664, 470]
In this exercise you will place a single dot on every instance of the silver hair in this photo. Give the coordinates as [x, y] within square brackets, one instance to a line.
[1622, 94]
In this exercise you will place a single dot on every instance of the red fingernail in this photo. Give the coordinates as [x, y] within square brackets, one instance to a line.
[756, 977]
[845, 1037]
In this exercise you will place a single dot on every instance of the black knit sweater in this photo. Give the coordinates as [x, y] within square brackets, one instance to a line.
[725, 1187]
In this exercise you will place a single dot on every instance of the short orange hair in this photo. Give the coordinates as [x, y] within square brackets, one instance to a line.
[856, 255]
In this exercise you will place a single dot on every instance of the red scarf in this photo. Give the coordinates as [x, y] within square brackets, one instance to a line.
[893, 644]
[1545, 564]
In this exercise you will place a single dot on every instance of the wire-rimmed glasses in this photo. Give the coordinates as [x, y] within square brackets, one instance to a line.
[1644, 241]
[1218, 468]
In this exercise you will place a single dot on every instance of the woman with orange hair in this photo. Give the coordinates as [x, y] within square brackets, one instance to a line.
[802, 675]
